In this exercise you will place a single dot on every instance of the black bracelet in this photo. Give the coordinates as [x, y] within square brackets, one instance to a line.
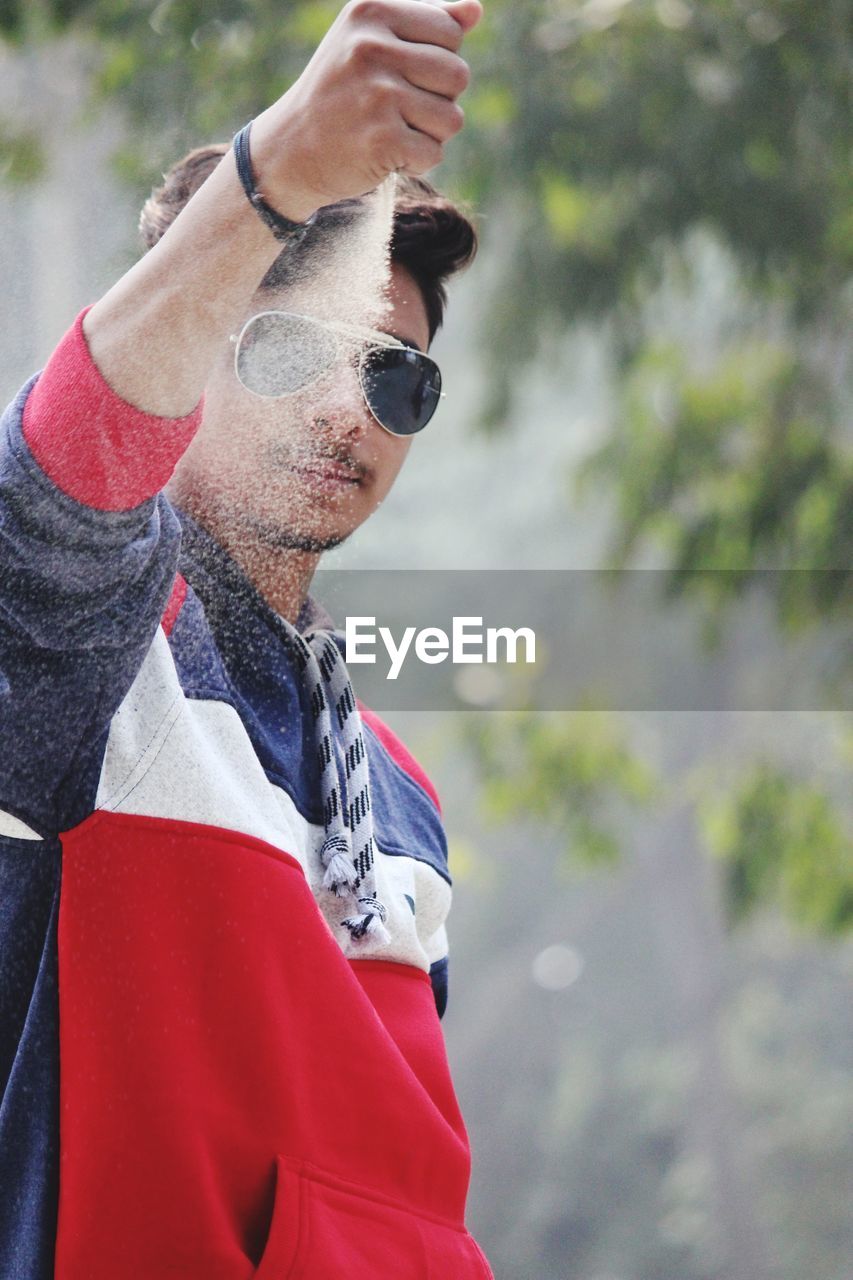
[281, 227]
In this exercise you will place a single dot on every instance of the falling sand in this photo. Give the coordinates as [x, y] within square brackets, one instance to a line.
[260, 479]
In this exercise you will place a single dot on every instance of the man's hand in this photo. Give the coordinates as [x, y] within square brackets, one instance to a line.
[378, 95]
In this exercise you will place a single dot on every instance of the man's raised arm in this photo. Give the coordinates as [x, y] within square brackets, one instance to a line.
[379, 95]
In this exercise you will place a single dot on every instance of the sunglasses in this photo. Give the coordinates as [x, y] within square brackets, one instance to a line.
[279, 353]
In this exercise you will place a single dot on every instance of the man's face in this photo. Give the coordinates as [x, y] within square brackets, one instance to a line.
[309, 468]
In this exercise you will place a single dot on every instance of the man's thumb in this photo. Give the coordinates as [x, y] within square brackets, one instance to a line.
[466, 12]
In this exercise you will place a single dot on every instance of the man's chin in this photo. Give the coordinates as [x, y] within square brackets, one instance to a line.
[283, 538]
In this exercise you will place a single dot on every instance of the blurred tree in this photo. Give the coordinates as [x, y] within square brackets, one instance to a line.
[565, 772]
[679, 1108]
[613, 124]
[21, 155]
[603, 135]
[739, 468]
[625, 124]
[782, 840]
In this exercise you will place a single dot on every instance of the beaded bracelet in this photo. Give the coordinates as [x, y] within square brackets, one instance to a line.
[282, 228]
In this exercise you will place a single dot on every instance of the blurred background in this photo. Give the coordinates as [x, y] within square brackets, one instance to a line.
[649, 367]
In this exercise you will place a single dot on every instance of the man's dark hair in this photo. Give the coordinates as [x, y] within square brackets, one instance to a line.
[431, 237]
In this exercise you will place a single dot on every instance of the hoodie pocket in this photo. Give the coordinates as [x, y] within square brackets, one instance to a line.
[287, 1238]
[324, 1228]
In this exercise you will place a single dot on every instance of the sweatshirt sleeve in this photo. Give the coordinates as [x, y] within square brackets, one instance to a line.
[423, 808]
[88, 554]
[94, 446]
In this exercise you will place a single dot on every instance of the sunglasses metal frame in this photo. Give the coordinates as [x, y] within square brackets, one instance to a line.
[370, 339]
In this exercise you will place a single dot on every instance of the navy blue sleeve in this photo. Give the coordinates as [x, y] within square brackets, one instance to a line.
[88, 554]
[29, 1058]
[81, 595]
[438, 976]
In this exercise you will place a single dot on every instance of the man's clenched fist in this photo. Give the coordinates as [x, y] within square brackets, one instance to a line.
[378, 95]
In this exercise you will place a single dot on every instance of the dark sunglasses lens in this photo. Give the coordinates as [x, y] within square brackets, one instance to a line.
[277, 354]
[402, 388]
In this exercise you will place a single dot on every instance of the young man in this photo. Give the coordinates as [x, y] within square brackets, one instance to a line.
[224, 890]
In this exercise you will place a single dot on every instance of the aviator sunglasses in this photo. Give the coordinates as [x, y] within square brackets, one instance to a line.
[278, 353]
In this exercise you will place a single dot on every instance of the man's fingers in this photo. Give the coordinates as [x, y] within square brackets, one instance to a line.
[419, 153]
[466, 13]
[417, 21]
[435, 70]
[432, 115]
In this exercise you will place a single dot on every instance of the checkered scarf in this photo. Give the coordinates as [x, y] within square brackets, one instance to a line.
[348, 851]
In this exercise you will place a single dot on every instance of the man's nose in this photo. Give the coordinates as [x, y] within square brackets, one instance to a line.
[340, 401]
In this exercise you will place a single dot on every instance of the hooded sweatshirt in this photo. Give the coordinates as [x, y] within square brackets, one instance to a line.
[223, 895]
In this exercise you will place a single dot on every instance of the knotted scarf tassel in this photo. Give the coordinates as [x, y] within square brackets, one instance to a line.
[371, 922]
[341, 876]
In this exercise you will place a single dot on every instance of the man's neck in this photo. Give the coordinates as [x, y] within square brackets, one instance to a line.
[282, 575]
[279, 572]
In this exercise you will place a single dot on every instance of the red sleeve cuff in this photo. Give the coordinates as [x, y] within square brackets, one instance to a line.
[94, 446]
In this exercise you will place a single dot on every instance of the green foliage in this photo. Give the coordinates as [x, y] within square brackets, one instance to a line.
[610, 128]
[636, 122]
[208, 65]
[21, 154]
[601, 136]
[20, 19]
[659, 113]
[568, 772]
[783, 841]
[735, 468]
